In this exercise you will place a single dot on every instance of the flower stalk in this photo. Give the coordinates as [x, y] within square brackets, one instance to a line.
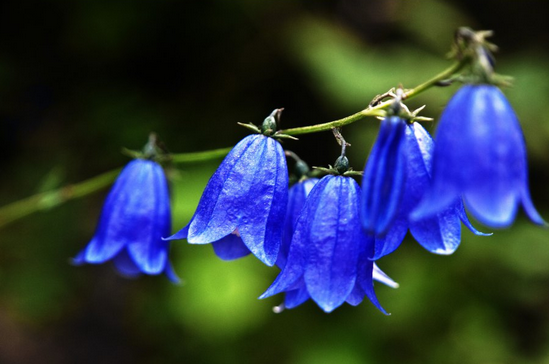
[378, 110]
[53, 198]
[47, 200]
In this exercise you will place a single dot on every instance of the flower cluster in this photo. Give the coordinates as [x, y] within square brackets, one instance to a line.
[328, 237]
[326, 234]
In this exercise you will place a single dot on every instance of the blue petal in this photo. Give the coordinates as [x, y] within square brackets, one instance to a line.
[465, 219]
[126, 265]
[170, 273]
[444, 191]
[357, 294]
[529, 208]
[216, 216]
[440, 234]
[291, 277]
[296, 297]
[419, 152]
[384, 176]
[293, 271]
[333, 234]
[181, 234]
[230, 247]
[248, 192]
[297, 195]
[265, 208]
[436, 199]
[496, 207]
[152, 213]
[388, 243]
[364, 277]
[117, 227]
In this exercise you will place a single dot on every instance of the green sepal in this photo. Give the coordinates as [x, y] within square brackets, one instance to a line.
[251, 126]
[154, 150]
[278, 135]
[351, 173]
[134, 154]
[322, 171]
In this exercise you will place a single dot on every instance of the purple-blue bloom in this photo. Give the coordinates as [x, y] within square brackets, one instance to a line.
[135, 217]
[325, 253]
[480, 155]
[297, 196]
[440, 233]
[243, 205]
[384, 176]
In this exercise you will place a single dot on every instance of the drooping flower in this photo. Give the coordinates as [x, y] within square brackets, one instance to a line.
[480, 155]
[323, 260]
[135, 217]
[384, 176]
[243, 205]
[440, 233]
[297, 196]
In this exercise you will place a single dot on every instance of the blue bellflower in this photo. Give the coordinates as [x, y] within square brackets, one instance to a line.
[135, 217]
[297, 196]
[243, 205]
[325, 261]
[440, 233]
[480, 155]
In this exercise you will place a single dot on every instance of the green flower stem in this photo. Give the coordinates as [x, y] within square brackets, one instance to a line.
[49, 199]
[200, 156]
[377, 110]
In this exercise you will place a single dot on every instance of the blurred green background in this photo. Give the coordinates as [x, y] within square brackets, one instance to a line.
[81, 79]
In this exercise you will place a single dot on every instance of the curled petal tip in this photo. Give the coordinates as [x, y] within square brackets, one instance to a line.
[76, 261]
[531, 211]
[443, 251]
[480, 233]
[382, 277]
[279, 309]
[181, 234]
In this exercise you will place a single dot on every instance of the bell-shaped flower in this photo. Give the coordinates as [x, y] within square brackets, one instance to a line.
[135, 217]
[243, 205]
[480, 155]
[384, 176]
[440, 233]
[297, 196]
[323, 260]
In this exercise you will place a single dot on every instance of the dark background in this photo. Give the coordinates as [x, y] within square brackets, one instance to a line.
[81, 79]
